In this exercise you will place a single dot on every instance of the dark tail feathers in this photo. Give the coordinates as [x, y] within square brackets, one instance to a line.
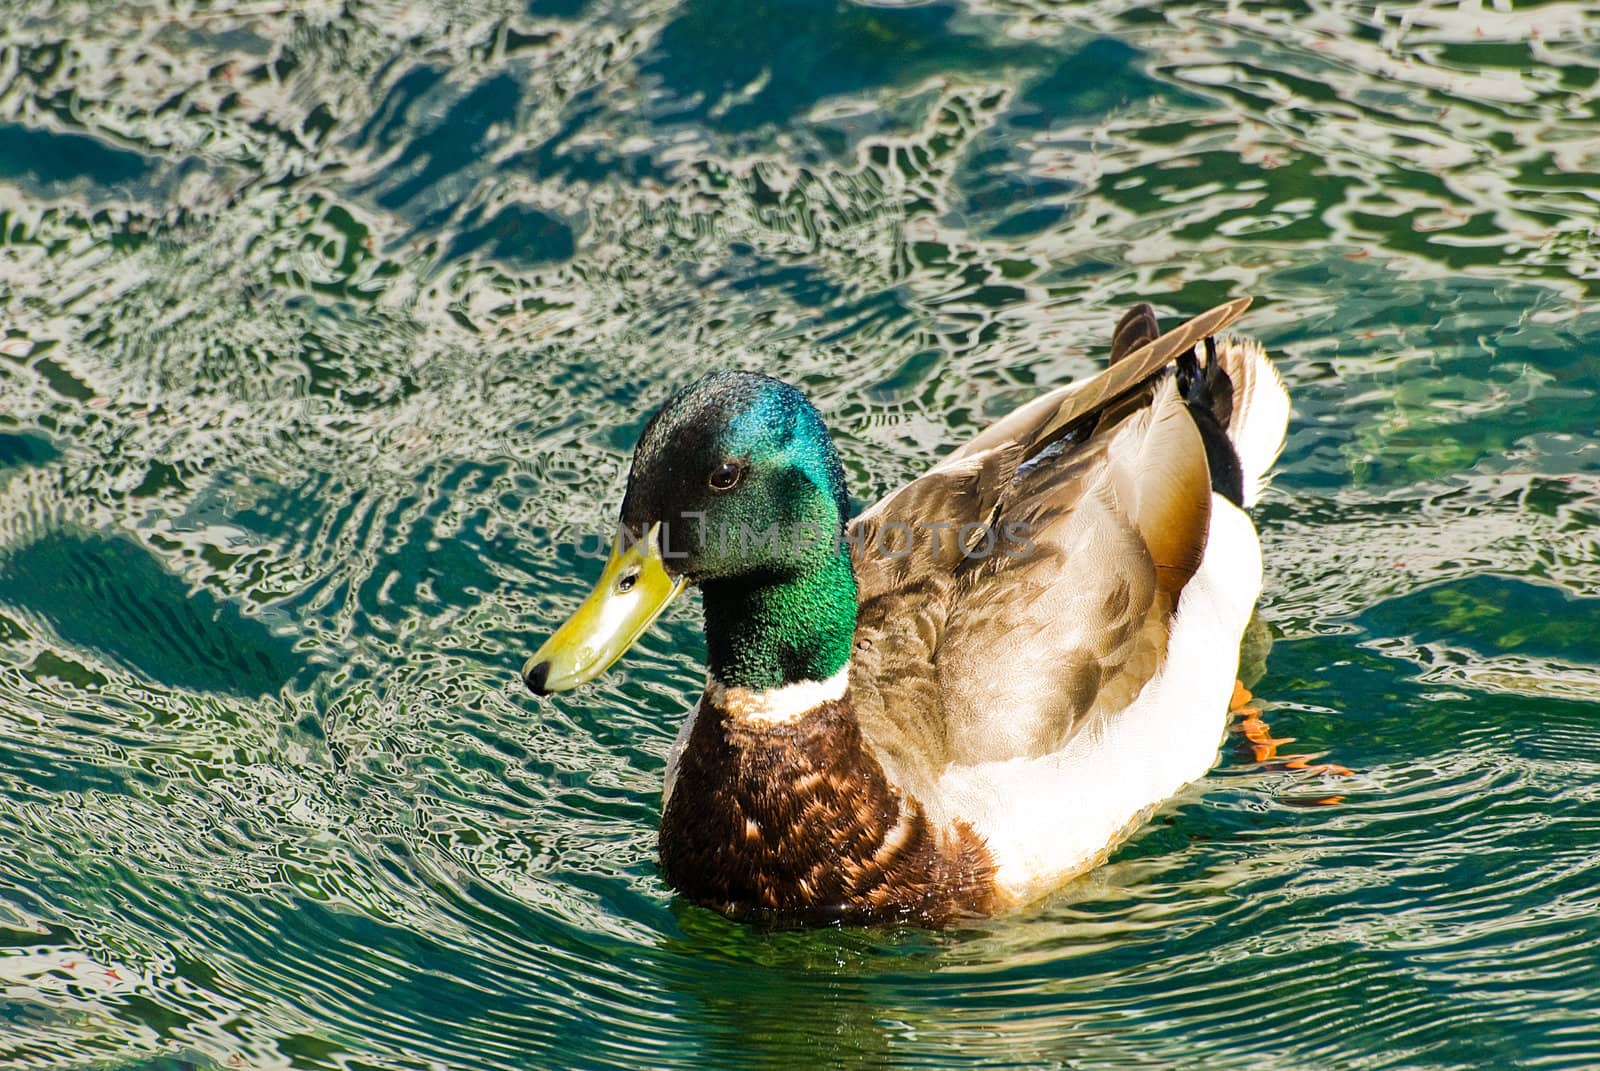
[1208, 391]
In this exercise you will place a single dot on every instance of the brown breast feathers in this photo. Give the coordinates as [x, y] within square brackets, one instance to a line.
[797, 823]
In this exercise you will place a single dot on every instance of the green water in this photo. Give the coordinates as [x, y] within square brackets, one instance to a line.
[326, 331]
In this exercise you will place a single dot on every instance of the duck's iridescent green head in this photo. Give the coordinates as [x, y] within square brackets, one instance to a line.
[740, 473]
[735, 487]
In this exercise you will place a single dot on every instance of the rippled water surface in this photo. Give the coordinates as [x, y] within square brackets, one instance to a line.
[327, 328]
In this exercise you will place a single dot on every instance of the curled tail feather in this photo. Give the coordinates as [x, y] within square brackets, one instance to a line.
[1208, 392]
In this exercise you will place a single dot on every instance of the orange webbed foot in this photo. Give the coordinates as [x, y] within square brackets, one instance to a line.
[1262, 746]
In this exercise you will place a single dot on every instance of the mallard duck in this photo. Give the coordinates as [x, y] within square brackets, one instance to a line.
[970, 693]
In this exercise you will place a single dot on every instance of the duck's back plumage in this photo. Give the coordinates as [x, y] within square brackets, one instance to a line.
[1049, 618]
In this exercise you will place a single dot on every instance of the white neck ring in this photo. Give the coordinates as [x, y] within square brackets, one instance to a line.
[783, 705]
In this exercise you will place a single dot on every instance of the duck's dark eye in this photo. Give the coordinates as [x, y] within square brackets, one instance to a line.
[726, 475]
[625, 583]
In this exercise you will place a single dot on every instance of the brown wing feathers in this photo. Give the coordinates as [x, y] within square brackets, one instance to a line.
[1038, 423]
[960, 660]
[970, 484]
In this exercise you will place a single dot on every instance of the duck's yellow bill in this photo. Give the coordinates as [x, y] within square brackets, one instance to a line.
[630, 594]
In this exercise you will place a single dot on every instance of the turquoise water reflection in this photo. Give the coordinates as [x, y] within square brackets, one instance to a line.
[326, 332]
